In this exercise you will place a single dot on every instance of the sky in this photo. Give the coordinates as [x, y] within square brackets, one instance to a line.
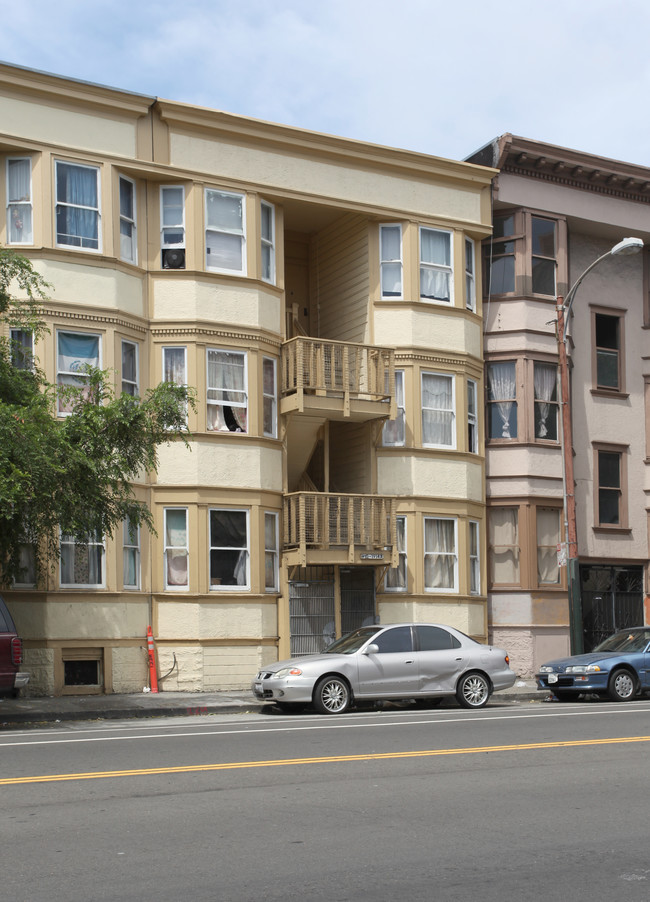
[440, 77]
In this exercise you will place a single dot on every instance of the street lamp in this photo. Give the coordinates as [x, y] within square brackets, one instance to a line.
[563, 309]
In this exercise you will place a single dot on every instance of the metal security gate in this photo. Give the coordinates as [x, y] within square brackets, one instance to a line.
[612, 599]
[311, 614]
[357, 598]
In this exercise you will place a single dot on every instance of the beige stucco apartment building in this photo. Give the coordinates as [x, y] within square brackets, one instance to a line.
[323, 296]
[555, 212]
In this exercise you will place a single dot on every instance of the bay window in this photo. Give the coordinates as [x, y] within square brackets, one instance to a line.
[271, 552]
[504, 545]
[270, 397]
[436, 282]
[267, 241]
[128, 243]
[472, 417]
[390, 264]
[172, 226]
[176, 549]
[227, 393]
[470, 274]
[174, 366]
[548, 538]
[394, 430]
[440, 556]
[395, 579]
[19, 201]
[474, 559]
[229, 549]
[546, 401]
[501, 400]
[76, 351]
[225, 232]
[77, 206]
[130, 368]
[438, 411]
[544, 254]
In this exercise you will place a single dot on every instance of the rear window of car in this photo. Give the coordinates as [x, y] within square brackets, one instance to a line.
[433, 638]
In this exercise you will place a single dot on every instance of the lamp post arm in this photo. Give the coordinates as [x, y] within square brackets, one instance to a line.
[568, 301]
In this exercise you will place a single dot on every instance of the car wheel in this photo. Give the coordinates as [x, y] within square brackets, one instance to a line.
[621, 686]
[473, 690]
[332, 695]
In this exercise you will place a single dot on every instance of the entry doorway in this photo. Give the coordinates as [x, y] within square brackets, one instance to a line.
[612, 599]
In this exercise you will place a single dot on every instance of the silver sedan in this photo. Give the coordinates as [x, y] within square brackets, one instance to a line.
[422, 661]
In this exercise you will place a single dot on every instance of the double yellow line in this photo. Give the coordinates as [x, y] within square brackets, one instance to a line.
[328, 759]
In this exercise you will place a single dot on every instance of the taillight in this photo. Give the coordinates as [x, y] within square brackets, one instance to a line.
[16, 651]
[507, 660]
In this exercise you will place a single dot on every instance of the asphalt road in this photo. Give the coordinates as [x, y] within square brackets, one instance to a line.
[520, 802]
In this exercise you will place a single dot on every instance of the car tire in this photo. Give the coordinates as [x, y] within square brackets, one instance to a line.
[332, 695]
[621, 686]
[473, 690]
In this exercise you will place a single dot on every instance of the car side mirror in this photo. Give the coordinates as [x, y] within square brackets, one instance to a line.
[372, 649]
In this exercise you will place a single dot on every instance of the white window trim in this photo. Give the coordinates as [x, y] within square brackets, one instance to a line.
[274, 397]
[240, 232]
[400, 408]
[455, 589]
[265, 242]
[221, 588]
[470, 276]
[275, 551]
[127, 546]
[98, 209]
[400, 554]
[29, 203]
[400, 260]
[477, 557]
[439, 267]
[472, 418]
[244, 406]
[98, 335]
[102, 585]
[182, 348]
[132, 222]
[180, 226]
[453, 445]
[166, 548]
[134, 344]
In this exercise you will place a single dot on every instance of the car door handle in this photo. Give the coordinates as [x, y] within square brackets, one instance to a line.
[408, 662]
[459, 659]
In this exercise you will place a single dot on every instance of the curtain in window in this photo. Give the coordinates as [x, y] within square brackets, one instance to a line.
[271, 551]
[396, 576]
[81, 564]
[435, 249]
[437, 414]
[19, 212]
[391, 266]
[504, 544]
[76, 191]
[545, 379]
[174, 365]
[224, 232]
[176, 547]
[394, 430]
[548, 536]
[502, 387]
[226, 387]
[440, 554]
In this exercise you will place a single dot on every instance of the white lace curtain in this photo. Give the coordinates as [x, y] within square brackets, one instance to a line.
[19, 201]
[501, 378]
[227, 402]
[439, 554]
[504, 544]
[437, 412]
[545, 383]
[548, 536]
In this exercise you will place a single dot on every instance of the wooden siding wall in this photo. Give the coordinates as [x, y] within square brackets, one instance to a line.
[350, 464]
[340, 280]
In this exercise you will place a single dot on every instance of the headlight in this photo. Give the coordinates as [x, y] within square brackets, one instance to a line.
[593, 668]
[287, 671]
[576, 668]
[546, 669]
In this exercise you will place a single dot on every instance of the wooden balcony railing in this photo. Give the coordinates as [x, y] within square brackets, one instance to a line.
[337, 369]
[323, 520]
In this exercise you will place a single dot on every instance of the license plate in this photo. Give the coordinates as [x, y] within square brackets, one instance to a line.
[258, 688]
[552, 677]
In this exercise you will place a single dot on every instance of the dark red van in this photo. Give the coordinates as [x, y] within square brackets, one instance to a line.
[12, 679]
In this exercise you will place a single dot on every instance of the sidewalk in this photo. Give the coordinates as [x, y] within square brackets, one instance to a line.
[173, 704]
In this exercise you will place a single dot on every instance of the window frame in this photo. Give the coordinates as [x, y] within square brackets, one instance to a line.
[608, 390]
[240, 232]
[218, 587]
[470, 274]
[474, 526]
[96, 210]
[135, 383]
[176, 587]
[622, 452]
[272, 553]
[452, 410]
[13, 204]
[539, 547]
[399, 422]
[22, 359]
[472, 416]
[401, 571]
[171, 227]
[519, 547]
[385, 262]
[220, 404]
[131, 221]
[270, 400]
[553, 402]
[267, 243]
[74, 544]
[446, 590]
[61, 412]
[448, 269]
[129, 531]
[522, 252]
[163, 354]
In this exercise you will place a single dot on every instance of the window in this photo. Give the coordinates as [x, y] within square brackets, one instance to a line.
[22, 349]
[438, 416]
[19, 201]
[82, 561]
[474, 559]
[267, 241]
[390, 251]
[174, 364]
[500, 256]
[270, 394]
[470, 275]
[501, 399]
[548, 538]
[394, 430]
[610, 488]
[224, 232]
[395, 580]
[26, 568]
[77, 206]
[229, 553]
[434, 638]
[546, 402]
[227, 394]
[436, 283]
[395, 641]
[75, 352]
[608, 344]
[440, 558]
[176, 549]
[130, 368]
[172, 226]
[504, 545]
[271, 552]
[131, 554]
[128, 243]
[544, 253]
[472, 417]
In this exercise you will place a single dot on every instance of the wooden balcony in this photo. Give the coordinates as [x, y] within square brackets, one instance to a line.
[326, 528]
[337, 379]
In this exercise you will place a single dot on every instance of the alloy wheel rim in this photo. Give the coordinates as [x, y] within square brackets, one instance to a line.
[624, 685]
[334, 696]
[474, 690]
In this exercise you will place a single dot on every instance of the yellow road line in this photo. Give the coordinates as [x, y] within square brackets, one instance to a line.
[329, 759]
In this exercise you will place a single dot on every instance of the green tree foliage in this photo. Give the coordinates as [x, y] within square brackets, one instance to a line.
[69, 474]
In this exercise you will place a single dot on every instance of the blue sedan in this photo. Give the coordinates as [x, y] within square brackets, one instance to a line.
[618, 668]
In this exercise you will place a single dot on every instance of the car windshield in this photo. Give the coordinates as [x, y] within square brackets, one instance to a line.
[626, 640]
[353, 641]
